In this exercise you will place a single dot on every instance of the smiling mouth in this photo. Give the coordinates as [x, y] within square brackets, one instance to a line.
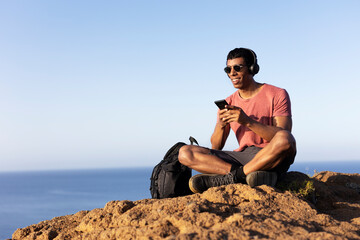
[235, 80]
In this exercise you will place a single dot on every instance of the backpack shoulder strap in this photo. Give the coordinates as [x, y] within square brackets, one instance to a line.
[193, 140]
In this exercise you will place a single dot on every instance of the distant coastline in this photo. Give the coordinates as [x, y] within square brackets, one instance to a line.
[308, 167]
[351, 166]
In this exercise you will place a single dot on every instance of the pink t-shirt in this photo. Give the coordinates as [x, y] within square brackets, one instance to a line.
[269, 102]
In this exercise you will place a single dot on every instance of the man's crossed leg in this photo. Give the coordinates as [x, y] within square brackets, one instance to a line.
[254, 166]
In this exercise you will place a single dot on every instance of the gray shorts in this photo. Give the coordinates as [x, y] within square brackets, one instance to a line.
[247, 154]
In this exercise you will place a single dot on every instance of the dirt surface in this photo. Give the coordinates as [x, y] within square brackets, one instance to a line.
[228, 212]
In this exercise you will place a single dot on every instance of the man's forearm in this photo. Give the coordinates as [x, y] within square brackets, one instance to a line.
[266, 132]
[219, 136]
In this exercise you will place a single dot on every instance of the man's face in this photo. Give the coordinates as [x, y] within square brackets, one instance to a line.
[240, 79]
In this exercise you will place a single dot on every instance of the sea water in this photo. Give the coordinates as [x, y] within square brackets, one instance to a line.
[30, 197]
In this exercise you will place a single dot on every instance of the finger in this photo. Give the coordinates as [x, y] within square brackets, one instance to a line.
[231, 118]
[223, 111]
[234, 111]
[231, 107]
[224, 114]
[228, 119]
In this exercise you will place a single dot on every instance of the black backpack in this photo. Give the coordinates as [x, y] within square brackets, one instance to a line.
[170, 178]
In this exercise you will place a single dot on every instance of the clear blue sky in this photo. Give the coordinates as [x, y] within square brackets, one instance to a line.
[98, 84]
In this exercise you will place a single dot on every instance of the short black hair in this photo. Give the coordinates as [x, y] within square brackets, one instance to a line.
[244, 53]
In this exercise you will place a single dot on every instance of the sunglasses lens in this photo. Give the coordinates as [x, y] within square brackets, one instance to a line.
[237, 68]
[227, 70]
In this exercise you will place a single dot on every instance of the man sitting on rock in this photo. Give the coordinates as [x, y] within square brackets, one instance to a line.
[260, 116]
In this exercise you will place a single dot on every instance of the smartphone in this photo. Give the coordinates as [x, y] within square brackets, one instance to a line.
[221, 104]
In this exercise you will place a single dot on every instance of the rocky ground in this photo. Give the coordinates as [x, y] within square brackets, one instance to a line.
[326, 206]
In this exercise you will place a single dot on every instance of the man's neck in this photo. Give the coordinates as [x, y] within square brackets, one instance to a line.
[250, 91]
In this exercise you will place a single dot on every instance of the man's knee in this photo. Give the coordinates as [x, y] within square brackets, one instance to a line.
[185, 155]
[284, 141]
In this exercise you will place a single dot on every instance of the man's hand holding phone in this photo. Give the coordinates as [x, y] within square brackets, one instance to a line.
[229, 113]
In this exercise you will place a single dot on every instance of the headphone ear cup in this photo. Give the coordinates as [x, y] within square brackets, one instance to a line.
[251, 69]
[254, 68]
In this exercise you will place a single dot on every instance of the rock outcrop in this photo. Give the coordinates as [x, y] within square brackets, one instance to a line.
[235, 211]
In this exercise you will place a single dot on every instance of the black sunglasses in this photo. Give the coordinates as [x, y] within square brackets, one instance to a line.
[237, 68]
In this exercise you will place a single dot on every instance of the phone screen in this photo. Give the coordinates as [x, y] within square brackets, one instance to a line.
[221, 104]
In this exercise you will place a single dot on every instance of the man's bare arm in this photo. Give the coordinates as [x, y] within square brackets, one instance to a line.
[267, 132]
[220, 136]
[221, 132]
